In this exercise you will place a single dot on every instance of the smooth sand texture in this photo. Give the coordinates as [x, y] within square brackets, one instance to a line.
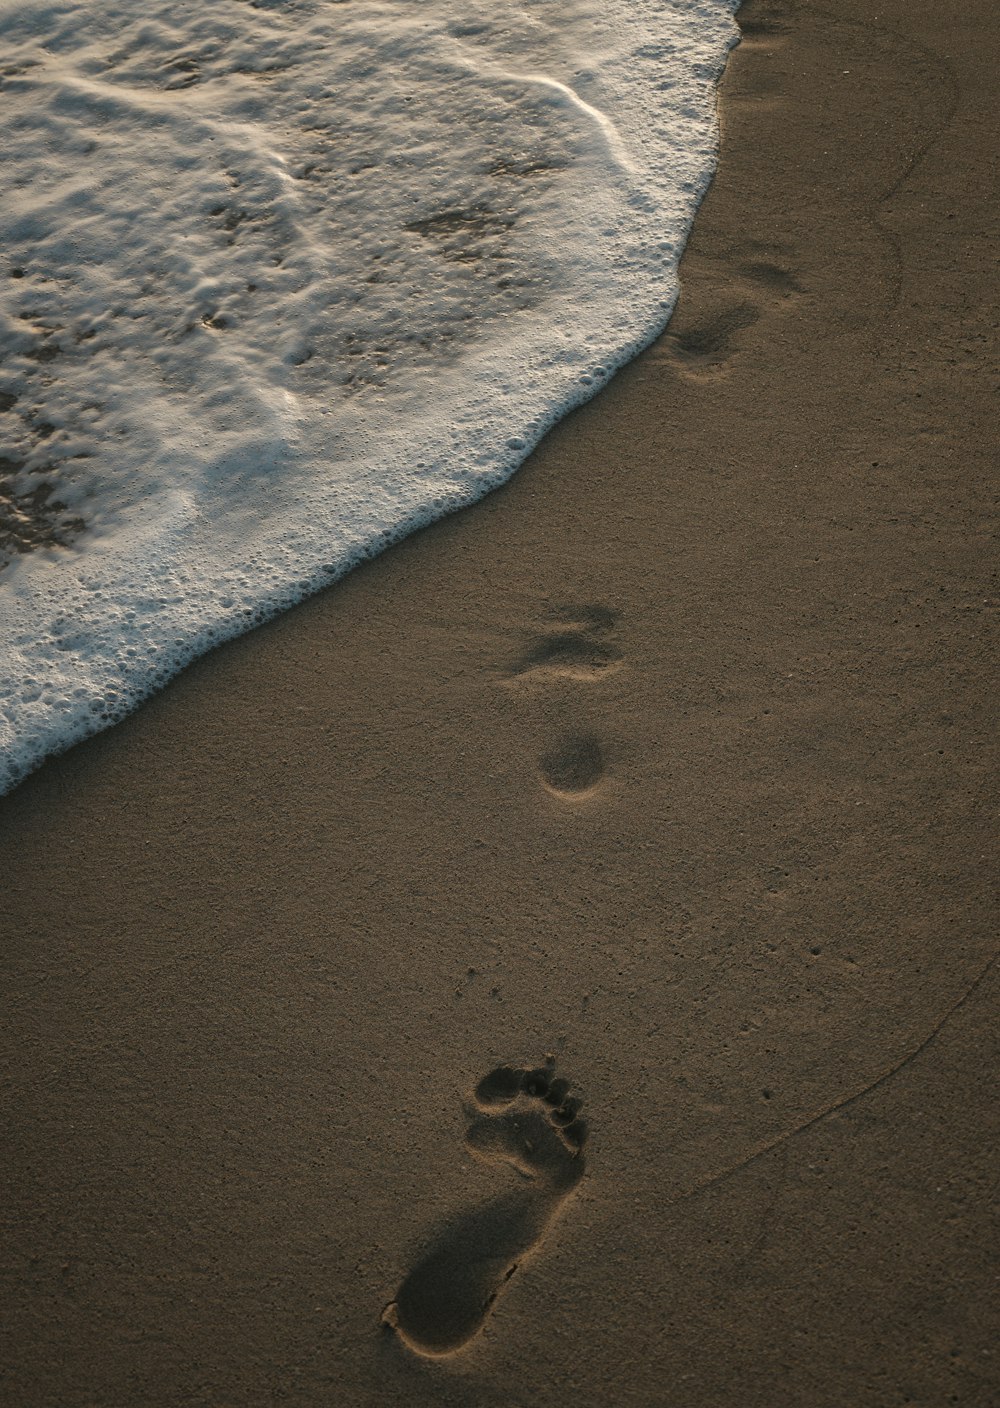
[672, 761]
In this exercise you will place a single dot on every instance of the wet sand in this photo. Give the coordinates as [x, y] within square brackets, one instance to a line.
[672, 763]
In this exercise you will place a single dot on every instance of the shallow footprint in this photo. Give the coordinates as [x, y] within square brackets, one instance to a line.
[576, 642]
[528, 1120]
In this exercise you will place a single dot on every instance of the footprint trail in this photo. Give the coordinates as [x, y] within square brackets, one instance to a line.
[529, 1121]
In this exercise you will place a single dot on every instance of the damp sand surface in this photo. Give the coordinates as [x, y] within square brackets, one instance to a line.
[663, 772]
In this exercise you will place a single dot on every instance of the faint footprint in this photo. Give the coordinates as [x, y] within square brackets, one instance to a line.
[770, 275]
[528, 1120]
[712, 341]
[705, 338]
[760, 26]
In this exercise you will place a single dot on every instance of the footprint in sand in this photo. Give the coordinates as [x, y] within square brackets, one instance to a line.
[576, 644]
[528, 1120]
[574, 766]
[705, 339]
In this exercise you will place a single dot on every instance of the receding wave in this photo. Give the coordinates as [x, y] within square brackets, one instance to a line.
[286, 279]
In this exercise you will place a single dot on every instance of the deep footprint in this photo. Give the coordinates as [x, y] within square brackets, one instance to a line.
[529, 1120]
[574, 767]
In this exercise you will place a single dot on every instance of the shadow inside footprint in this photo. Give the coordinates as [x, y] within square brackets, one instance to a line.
[575, 766]
[528, 1120]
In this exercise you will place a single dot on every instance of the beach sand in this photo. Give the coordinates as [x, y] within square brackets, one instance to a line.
[670, 762]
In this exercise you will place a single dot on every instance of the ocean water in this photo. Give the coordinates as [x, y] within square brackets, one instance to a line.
[283, 280]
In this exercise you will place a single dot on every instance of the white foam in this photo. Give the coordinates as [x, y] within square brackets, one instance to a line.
[298, 277]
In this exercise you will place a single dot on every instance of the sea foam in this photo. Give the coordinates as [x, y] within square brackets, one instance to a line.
[287, 279]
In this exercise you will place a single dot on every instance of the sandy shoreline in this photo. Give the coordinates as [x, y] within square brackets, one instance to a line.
[673, 759]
